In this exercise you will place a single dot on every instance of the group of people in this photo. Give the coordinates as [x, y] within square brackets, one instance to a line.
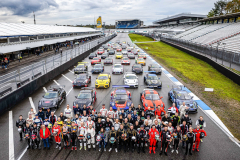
[130, 130]
[4, 62]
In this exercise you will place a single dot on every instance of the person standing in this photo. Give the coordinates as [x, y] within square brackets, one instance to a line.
[44, 136]
[198, 133]
[190, 141]
[81, 135]
[103, 111]
[183, 109]
[56, 130]
[102, 142]
[112, 139]
[68, 112]
[20, 124]
[132, 133]
[177, 136]
[27, 134]
[41, 114]
[73, 134]
[90, 136]
[166, 138]
[152, 139]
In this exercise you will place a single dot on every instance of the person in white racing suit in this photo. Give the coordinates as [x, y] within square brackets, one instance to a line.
[68, 112]
[90, 136]
[81, 136]
[103, 111]
[89, 122]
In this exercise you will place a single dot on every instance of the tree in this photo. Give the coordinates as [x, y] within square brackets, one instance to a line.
[210, 14]
[219, 7]
[233, 6]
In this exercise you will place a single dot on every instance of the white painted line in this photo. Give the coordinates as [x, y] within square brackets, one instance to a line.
[56, 82]
[32, 104]
[208, 89]
[20, 157]
[69, 91]
[11, 139]
[163, 69]
[44, 89]
[179, 83]
[70, 71]
[169, 75]
[67, 78]
[195, 98]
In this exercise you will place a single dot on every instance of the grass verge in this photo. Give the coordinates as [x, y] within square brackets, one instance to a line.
[137, 38]
[197, 75]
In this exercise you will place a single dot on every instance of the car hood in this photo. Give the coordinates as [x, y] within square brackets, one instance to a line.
[81, 102]
[155, 69]
[151, 103]
[117, 69]
[131, 80]
[80, 80]
[47, 102]
[79, 69]
[153, 81]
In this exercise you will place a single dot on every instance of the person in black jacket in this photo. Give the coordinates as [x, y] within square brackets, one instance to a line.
[165, 119]
[20, 124]
[149, 112]
[113, 134]
[177, 136]
[122, 138]
[41, 114]
[62, 117]
[139, 110]
[166, 139]
[98, 125]
[48, 113]
[27, 131]
[190, 141]
[141, 138]
[131, 141]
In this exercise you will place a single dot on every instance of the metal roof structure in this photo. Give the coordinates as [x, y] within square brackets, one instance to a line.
[179, 17]
[233, 15]
[127, 20]
[19, 29]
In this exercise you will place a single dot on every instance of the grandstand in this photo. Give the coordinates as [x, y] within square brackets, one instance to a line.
[128, 23]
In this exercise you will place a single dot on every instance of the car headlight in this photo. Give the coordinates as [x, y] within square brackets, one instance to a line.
[106, 82]
[96, 82]
[39, 103]
[112, 104]
[74, 104]
[54, 103]
[129, 104]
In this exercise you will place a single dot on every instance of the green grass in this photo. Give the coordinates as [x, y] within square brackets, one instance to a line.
[199, 75]
[138, 38]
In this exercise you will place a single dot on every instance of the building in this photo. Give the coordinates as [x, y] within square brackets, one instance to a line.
[128, 23]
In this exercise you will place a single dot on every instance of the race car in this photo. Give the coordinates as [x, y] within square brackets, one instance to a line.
[155, 68]
[100, 51]
[125, 60]
[178, 96]
[98, 68]
[119, 49]
[87, 97]
[95, 60]
[137, 68]
[129, 49]
[80, 68]
[140, 61]
[118, 55]
[121, 98]
[131, 56]
[151, 98]
[111, 52]
[143, 55]
[135, 52]
[108, 61]
[152, 81]
[130, 79]
[52, 98]
[124, 46]
[117, 69]
[109, 48]
[104, 55]
[103, 80]
[82, 80]
[92, 55]
[137, 49]
[124, 52]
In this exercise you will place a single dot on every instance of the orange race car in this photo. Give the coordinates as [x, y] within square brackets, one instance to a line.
[151, 98]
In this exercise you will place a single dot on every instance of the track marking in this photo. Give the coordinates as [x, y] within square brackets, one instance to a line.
[67, 78]
[69, 91]
[11, 139]
[32, 104]
[44, 89]
[56, 82]
[71, 71]
[20, 157]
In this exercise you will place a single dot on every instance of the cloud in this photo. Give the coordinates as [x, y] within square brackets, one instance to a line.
[24, 7]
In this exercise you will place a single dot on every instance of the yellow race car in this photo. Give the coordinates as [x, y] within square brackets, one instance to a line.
[103, 80]
[118, 55]
[140, 61]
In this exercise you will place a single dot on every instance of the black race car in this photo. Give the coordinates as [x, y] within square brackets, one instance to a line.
[88, 96]
[82, 80]
[52, 98]
[111, 52]
[131, 56]
[92, 55]
[108, 61]
[137, 68]
[152, 81]
[155, 68]
[104, 55]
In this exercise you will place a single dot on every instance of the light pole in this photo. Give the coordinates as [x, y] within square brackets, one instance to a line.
[223, 51]
[219, 43]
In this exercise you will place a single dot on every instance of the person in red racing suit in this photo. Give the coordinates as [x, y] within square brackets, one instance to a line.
[159, 112]
[198, 132]
[56, 130]
[152, 140]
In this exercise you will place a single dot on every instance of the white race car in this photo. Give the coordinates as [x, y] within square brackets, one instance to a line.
[130, 79]
[117, 69]
[124, 52]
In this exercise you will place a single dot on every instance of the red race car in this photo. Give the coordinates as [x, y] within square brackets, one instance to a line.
[95, 60]
[151, 98]
[125, 60]
[119, 49]
[100, 51]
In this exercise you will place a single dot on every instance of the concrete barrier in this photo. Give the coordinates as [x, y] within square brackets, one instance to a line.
[10, 100]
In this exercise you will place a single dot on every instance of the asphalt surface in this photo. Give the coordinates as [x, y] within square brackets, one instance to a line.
[215, 146]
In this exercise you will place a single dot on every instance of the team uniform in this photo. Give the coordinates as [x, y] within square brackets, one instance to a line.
[73, 134]
[131, 141]
[198, 133]
[56, 130]
[152, 145]
[81, 136]
[90, 135]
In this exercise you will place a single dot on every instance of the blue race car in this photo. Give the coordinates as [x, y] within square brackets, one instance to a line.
[178, 96]
[121, 98]
[152, 81]
[98, 68]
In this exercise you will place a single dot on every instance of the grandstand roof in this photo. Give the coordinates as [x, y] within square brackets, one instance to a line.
[179, 17]
[19, 29]
[127, 20]
[233, 15]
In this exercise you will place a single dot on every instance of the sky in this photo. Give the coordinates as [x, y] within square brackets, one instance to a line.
[73, 12]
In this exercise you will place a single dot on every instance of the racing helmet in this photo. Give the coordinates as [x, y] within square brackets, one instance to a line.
[20, 130]
[133, 138]
[123, 136]
[88, 136]
[138, 129]
[112, 140]
[168, 137]
[107, 129]
[143, 118]
[55, 133]
[74, 129]
[185, 137]
[202, 135]
[81, 136]
[166, 122]
[157, 137]
[174, 135]
[98, 138]
[49, 125]
[33, 136]
[27, 136]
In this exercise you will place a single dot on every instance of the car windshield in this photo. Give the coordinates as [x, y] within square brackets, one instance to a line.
[95, 58]
[104, 54]
[152, 97]
[80, 66]
[153, 77]
[81, 77]
[92, 54]
[84, 96]
[50, 95]
[102, 77]
[125, 59]
[100, 50]
[183, 96]
[154, 66]
[121, 96]
[136, 66]
[140, 59]
[119, 53]
[117, 66]
[97, 66]
[131, 77]
[108, 59]
[130, 54]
